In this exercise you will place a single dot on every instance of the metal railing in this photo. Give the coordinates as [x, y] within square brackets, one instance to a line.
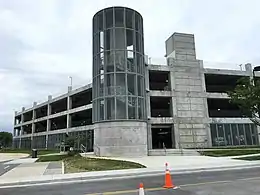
[83, 148]
[165, 150]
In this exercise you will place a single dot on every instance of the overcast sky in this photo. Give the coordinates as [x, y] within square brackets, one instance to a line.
[43, 42]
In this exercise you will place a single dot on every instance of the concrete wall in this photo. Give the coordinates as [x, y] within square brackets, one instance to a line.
[124, 138]
[187, 84]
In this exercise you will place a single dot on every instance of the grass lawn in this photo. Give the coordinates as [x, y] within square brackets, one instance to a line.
[78, 163]
[40, 152]
[230, 152]
[250, 158]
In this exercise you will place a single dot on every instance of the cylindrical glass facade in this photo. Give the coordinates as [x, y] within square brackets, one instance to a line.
[118, 65]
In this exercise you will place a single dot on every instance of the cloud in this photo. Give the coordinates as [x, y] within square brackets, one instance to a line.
[44, 42]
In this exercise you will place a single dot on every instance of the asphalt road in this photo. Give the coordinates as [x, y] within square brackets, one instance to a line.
[239, 182]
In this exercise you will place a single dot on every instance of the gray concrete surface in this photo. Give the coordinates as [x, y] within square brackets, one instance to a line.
[5, 167]
[227, 182]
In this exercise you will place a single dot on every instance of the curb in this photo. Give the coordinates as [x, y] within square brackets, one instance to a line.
[62, 167]
[80, 179]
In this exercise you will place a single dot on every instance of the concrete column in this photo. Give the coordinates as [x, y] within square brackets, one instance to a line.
[48, 126]
[174, 109]
[69, 105]
[209, 140]
[258, 132]
[149, 136]
[20, 137]
[249, 69]
[21, 131]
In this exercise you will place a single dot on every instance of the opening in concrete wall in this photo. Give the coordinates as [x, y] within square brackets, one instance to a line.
[41, 112]
[41, 126]
[18, 119]
[160, 106]
[81, 99]
[223, 108]
[221, 83]
[81, 118]
[28, 116]
[27, 129]
[59, 106]
[59, 123]
[162, 137]
[159, 80]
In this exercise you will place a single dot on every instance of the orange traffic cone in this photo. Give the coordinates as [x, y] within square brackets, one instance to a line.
[168, 179]
[141, 189]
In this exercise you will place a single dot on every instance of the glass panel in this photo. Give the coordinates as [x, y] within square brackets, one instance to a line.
[228, 134]
[132, 107]
[110, 102]
[137, 22]
[140, 85]
[213, 131]
[241, 134]
[131, 82]
[101, 109]
[221, 139]
[95, 24]
[248, 135]
[120, 61]
[235, 134]
[101, 41]
[129, 39]
[110, 84]
[138, 62]
[140, 108]
[121, 107]
[137, 42]
[120, 39]
[120, 84]
[130, 61]
[129, 18]
[119, 17]
[109, 18]
[109, 41]
[95, 44]
[142, 45]
[109, 57]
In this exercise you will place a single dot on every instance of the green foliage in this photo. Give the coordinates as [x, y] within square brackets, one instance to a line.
[247, 96]
[249, 158]
[6, 139]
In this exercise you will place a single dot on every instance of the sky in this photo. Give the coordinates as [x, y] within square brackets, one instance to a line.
[44, 42]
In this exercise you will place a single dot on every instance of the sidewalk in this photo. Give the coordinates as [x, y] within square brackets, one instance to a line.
[11, 156]
[155, 166]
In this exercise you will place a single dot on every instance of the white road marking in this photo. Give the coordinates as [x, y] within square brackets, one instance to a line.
[6, 167]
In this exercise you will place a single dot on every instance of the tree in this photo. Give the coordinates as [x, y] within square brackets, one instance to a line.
[246, 96]
[6, 139]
